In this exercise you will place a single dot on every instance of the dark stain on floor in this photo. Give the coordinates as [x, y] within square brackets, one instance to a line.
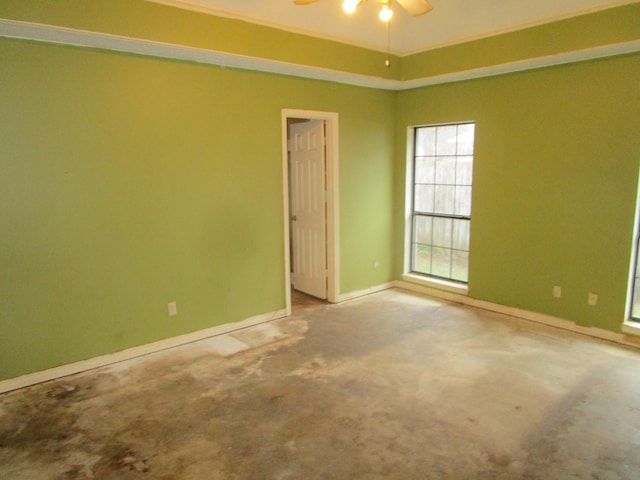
[391, 386]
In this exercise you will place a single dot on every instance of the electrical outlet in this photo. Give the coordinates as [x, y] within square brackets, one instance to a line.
[592, 298]
[172, 308]
[557, 291]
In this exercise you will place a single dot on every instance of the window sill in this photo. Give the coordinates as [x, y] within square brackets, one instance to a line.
[453, 287]
[631, 327]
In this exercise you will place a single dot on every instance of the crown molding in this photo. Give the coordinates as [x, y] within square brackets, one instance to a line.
[564, 58]
[105, 41]
[199, 7]
[511, 28]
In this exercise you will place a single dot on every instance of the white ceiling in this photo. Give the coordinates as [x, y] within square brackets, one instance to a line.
[450, 21]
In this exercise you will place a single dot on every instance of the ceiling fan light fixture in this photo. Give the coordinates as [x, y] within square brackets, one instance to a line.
[413, 7]
[349, 6]
[385, 12]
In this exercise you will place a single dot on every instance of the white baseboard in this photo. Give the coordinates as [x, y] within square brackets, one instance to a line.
[550, 320]
[366, 291]
[130, 353]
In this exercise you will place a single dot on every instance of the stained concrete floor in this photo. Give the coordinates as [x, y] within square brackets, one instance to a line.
[390, 386]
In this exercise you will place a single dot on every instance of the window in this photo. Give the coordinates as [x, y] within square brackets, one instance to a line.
[441, 201]
[635, 301]
[634, 310]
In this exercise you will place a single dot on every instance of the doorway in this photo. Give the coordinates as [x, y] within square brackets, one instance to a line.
[310, 180]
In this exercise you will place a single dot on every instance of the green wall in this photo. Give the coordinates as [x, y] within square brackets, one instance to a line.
[161, 23]
[555, 178]
[127, 182]
[605, 27]
[130, 182]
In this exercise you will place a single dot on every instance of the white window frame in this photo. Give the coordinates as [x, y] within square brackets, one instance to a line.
[630, 324]
[408, 275]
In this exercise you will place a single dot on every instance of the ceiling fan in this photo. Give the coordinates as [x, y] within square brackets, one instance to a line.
[414, 7]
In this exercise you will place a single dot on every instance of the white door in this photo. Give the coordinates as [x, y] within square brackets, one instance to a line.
[308, 208]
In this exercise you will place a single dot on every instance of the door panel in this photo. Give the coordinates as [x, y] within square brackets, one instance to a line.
[308, 210]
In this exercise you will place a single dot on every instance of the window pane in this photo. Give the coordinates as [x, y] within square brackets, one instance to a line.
[446, 140]
[423, 230]
[463, 201]
[423, 198]
[460, 266]
[635, 308]
[425, 170]
[421, 259]
[464, 170]
[442, 178]
[445, 199]
[466, 135]
[461, 234]
[442, 232]
[425, 142]
[446, 170]
[441, 262]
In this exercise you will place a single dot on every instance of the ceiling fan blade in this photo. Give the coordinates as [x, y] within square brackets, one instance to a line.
[416, 7]
[304, 2]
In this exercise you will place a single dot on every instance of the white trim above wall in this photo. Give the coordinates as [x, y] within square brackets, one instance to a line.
[105, 41]
[118, 43]
[221, 12]
[214, 10]
[528, 64]
[518, 26]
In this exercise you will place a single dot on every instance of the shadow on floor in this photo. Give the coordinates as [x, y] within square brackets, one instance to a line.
[301, 302]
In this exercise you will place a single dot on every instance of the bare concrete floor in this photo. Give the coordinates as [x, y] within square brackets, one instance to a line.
[390, 386]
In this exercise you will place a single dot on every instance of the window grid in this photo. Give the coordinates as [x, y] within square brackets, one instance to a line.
[441, 201]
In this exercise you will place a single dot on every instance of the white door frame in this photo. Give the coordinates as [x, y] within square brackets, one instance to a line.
[333, 230]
